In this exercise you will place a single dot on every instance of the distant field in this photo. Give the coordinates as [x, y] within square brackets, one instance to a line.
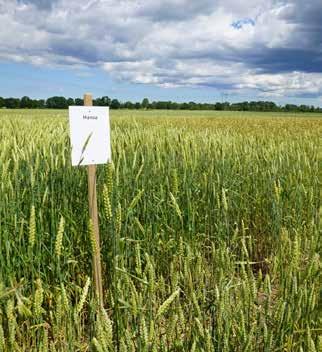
[210, 229]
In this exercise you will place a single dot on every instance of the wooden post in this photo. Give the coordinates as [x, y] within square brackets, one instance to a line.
[93, 213]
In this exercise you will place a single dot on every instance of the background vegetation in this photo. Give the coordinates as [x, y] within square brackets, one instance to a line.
[63, 103]
[209, 226]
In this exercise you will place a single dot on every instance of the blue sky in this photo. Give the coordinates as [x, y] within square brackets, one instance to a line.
[182, 50]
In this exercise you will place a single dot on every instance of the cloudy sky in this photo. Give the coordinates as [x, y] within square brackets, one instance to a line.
[202, 50]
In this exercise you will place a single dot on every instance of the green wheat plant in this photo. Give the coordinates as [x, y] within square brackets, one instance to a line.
[209, 225]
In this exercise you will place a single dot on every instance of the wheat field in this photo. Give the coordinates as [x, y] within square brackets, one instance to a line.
[210, 234]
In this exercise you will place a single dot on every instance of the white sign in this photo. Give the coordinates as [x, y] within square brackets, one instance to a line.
[89, 135]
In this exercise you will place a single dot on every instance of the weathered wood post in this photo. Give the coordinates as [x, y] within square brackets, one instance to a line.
[93, 213]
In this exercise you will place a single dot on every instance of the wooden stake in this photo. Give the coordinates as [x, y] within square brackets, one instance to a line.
[93, 213]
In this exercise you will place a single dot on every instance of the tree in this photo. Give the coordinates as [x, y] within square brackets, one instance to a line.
[290, 107]
[70, 101]
[192, 105]
[79, 102]
[145, 103]
[104, 101]
[12, 103]
[40, 104]
[161, 105]
[184, 106]
[128, 105]
[26, 102]
[115, 104]
[57, 103]
[174, 106]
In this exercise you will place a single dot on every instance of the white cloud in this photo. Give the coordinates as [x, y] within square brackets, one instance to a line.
[173, 42]
[294, 83]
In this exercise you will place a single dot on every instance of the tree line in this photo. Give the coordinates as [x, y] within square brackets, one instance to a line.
[58, 102]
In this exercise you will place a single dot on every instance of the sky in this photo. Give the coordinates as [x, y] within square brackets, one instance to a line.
[180, 50]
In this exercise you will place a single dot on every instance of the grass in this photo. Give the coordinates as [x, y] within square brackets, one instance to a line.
[210, 231]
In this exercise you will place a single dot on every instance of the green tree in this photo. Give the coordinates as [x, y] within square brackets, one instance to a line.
[40, 104]
[26, 102]
[12, 103]
[103, 101]
[57, 103]
[145, 103]
[115, 104]
[128, 105]
[70, 101]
